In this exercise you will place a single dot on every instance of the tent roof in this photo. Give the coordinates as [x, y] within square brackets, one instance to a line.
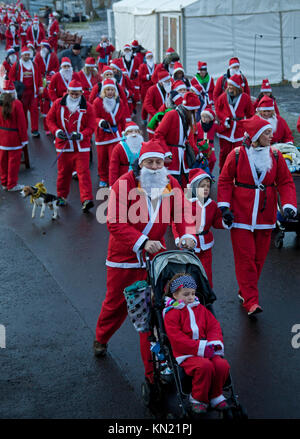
[140, 7]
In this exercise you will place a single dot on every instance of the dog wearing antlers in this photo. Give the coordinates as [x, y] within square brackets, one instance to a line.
[40, 198]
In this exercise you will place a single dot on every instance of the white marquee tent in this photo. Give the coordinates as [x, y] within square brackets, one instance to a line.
[264, 34]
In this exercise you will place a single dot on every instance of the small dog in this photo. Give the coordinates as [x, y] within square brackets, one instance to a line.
[39, 197]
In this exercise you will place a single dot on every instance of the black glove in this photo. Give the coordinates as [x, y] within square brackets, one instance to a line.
[227, 216]
[61, 135]
[289, 213]
[104, 125]
[75, 136]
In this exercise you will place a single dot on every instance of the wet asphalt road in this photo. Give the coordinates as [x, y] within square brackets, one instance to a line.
[52, 285]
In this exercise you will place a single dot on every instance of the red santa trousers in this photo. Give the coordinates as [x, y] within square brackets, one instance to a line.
[225, 148]
[250, 250]
[209, 376]
[114, 311]
[104, 154]
[9, 167]
[66, 164]
[30, 103]
[205, 257]
[212, 161]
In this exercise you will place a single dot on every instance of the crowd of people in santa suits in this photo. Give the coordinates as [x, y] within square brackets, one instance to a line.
[183, 116]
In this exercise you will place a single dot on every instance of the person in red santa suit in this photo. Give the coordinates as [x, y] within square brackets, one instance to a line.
[131, 65]
[23, 33]
[298, 124]
[281, 130]
[10, 59]
[146, 70]
[72, 121]
[27, 71]
[105, 50]
[36, 33]
[53, 31]
[138, 51]
[179, 75]
[110, 118]
[123, 81]
[59, 82]
[133, 233]
[167, 64]
[88, 76]
[12, 37]
[156, 95]
[177, 134]
[206, 131]
[196, 339]
[206, 84]
[14, 137]
[126, 152]
[45, 103]
[231, 107]
[266, 90]
[252, 176]
[46, 59]
[221, 84]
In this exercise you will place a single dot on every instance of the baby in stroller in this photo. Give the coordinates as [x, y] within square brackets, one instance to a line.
[196, 339]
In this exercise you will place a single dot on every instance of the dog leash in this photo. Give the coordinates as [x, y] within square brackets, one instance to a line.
[58, 156]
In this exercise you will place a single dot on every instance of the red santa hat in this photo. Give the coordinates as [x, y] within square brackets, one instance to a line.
[25, 51]
[178, 85]
[10, 51]
[148, 53]
[208, 112]
[196, 89]
[191, 101]
[170, 50]
[36, 19]
[131, 126]
[8, 86]
[151, 149]
[30, 44]
[196, 175]
[178, 67]
[234, 62]
[75, 85]
[46, 43]
[236, 81]
[255, 126]
[90, 62]
[135, 44]
[202, 66]
[108, 83]
[65, 61]
[265, 86]
[163, 75]
[106, 69]
[266, 103]
[126, 47]
[115, 64]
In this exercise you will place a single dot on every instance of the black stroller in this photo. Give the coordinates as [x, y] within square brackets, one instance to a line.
[283, 226]
[170, 399]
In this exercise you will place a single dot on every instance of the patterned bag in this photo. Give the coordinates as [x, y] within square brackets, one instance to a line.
[138, 297]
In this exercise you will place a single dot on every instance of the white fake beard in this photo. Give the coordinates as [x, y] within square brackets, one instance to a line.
[67, 74]
[171, 70]
[234, 72]
[273, 121]
[12, 59]
[128, 56]
[150, 63]
[167, 87]
[27, 64]
[109, 104]
[72, 104]
[154, 181]
[44, 53]
[134, 141]
[261, 158]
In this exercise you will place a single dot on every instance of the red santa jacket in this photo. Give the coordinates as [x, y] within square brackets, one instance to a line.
[87, 83]
[207, 90]
[82, 121]
[243, 109]
[53, 29]
[13, 131]
[145, 82]
[17, 74]
[116, 119]
[121, 161]
[105, 55]
[58, 86]
[96, 90]
[36, 37]
[170, 132]
[47, 65]
[298, 124]
[255, 208]
[23, 36]
[221, 86]
[154, 99]
[11, 40]
[7, 67]
[190, 328]
[132, 220]
[282, 134]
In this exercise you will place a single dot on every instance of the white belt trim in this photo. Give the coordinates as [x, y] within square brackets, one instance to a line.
[115, 139]
[11, 148]
[230, 139]
[251, 228]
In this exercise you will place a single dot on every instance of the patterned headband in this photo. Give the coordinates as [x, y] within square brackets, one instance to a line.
[185, 281]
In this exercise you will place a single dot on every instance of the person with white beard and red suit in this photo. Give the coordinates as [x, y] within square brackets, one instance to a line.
[23, 33]
[124, 82]
[146, 70]
[177, 134]
[156, 95]
[281, 130]
[60, 81]
[36, 33]
[88, 76]
[231, 107]
[206, 84]
[72, 121]
[27, 71]
[13, 129]
[266, 90]
[12, 36]
[221, 84]
[105, 50]
[252, 176]
[53, 31]
[125, 153]
[131, 64]
[46, 59]
[10, 59]
[131, 235]
[110, 122]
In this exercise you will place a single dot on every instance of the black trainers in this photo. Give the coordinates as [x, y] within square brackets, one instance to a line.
[87, 205]
[100, 349]
[35, 134]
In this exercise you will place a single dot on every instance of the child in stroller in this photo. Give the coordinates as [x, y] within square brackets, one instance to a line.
[197, 343]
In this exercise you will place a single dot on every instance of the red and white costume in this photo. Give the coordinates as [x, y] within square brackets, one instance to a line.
[48, 64]
[266, 88]
[74, 154]
[105, 55]
[207, 88]
[254, 208]
[208, 136]
[88, 81]
[58, 85]
[221, 83]
[12, 38]
[13, 138]
[36, 36]
[132, 69]
[53, 31]
[190, 328]
[145, 72]
[155, 97]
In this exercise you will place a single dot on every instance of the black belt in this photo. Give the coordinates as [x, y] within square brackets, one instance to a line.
[261, 187]
[205, 232]
[9, 129]
[178, 146]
